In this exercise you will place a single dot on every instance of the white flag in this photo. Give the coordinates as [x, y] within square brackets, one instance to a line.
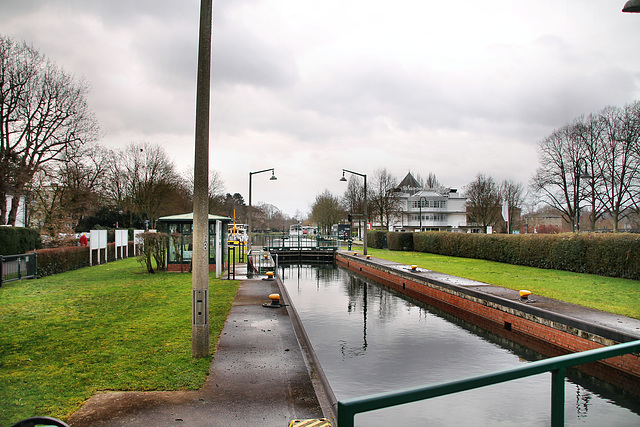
[505, 211]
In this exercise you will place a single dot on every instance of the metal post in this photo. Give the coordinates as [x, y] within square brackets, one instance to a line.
[364, 237]
[200, 278]
[557, 397]
[273, 177]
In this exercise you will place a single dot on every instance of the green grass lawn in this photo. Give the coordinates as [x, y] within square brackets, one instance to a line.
[620, 296]
[108, 327]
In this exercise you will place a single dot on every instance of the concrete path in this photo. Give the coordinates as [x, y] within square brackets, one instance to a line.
[259, 377]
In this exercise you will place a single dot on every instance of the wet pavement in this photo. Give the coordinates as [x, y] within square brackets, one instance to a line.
[259, 377]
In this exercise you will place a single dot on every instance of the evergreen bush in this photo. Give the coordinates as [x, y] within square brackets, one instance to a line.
[18, 240]
[400, 241]
[615, 255]
[376, 238]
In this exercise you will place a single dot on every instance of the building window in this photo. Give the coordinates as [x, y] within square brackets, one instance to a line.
[435, 204]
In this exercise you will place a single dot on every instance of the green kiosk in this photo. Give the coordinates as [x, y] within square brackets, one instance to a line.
[180, 245]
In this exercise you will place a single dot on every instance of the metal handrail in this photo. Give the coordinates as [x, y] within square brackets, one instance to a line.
[18, 267]
[348, 408]
[299, 242]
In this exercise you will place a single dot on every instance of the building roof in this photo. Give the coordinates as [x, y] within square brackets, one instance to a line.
[409, 184]
[188, 217]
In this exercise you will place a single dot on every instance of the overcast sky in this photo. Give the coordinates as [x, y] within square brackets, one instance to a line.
[310, 87]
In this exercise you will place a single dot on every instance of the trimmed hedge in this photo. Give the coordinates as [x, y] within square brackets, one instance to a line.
[376, 239]
[400, 241]
[615, 255]
[59, 260]
[18, 240]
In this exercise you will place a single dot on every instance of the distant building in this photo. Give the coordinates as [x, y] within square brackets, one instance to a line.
[429, 209]
[548, 221]
[21, 214]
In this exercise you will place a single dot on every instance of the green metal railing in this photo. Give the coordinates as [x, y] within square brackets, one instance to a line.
[347, 409]
[299, 242]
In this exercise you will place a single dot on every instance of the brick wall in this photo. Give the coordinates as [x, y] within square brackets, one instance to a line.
[543, 335]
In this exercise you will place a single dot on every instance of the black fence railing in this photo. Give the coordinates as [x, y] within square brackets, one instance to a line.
[17, 267]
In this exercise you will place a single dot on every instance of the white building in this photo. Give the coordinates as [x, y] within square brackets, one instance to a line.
[429, 209]
[21, 214]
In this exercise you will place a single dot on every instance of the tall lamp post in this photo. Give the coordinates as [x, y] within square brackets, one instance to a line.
[579, 174]
[364, 237]
[273, 178]
[200, 277]
[420, 205]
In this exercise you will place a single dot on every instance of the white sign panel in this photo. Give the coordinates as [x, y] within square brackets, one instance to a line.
[98, 242]
[122, 243]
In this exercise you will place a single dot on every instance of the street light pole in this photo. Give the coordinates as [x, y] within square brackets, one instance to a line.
[364, 237]
[579, 174]
[420, 205]
[200, 277]
[273, 177]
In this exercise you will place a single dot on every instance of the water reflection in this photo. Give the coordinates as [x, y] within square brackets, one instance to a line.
[369, 339]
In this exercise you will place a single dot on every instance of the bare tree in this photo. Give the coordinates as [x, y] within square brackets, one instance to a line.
[432, 181]
[216, 190]
[382, 201]
[556, 179]
[43, 114]
[140, 179]
[513, 194]
[617, 163]
[595, 158]
[588, 132]
[353, 197]
[483, 201]
[326, 211]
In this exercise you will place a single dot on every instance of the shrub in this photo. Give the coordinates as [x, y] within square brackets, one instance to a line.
[18, 240]
[59, 260]
[400, 241]
[155, 249]
[376, 239]
[615, 255]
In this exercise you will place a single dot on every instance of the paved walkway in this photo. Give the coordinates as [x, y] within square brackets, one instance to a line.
[258, 377]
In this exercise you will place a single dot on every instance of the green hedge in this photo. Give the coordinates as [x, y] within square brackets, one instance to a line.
[18, 240]
[399, 241]
[615, 255]
[59, 260]
[376, 239]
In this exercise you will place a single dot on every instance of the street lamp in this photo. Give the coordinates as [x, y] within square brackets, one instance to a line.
[632, 6]
[364, 237]
[273, 178]
[420, 205]
[579, 174]
[200, 259]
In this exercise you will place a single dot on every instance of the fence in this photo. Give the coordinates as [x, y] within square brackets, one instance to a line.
[17, 267]
[294, 242]
[347, 409]
[259, 262]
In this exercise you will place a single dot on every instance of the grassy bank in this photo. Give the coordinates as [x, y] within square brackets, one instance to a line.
[620, 296]
[108, 327]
